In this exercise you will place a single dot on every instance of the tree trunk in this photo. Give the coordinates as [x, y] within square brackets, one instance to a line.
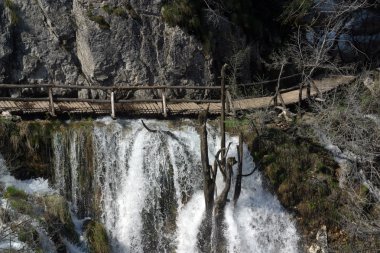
[208, 186]
[222, 116]
[240, 170]
[219, 244]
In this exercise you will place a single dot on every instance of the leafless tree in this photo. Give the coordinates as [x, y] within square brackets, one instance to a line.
[313, 44]
[351, 121]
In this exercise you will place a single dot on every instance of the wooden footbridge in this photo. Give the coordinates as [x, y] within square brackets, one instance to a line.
[55, 105]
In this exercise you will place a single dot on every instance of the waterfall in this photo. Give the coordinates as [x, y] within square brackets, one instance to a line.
[146, 188]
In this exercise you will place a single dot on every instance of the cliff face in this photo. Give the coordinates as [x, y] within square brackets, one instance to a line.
[93, 42]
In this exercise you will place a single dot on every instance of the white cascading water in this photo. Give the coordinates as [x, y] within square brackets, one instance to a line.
[151, 193]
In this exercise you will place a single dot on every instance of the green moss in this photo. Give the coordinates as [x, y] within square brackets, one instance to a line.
[13, 192]
[57, 213]
[100, 20]
[28, 235]
[302, 174]
[107, 9]
[13, 12]
[118, 11]
[18, 200]
[97, 238]
[22, 206]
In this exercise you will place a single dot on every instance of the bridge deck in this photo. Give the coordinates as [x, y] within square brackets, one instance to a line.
[155, 108]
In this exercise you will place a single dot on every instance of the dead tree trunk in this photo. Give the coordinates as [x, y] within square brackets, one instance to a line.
[219, 244]
[208, 186]
[240, 170]
[222, 116]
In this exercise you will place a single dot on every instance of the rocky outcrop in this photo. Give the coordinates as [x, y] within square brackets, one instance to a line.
[86, 42]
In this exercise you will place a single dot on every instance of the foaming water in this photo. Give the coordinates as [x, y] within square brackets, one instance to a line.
[36, 186]
[149, 188]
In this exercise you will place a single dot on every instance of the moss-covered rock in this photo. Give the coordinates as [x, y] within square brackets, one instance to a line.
[58, 218]
[18, 200]
[13, 192]
[97, 237]
[304, 177]
[26, 146]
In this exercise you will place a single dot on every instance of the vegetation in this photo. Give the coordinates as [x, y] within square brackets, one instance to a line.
[18, 200]
[13, 12]
[184, 13]
[99, 19]
[118, 11]
[13, 192]
[27, 145]
[58, 218]
[97, 237]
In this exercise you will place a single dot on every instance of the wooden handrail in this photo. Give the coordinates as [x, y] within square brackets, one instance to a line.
[22, 86]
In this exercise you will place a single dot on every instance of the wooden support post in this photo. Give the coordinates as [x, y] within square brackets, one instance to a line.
[223, 114]
[240, 169]
[230, 104]
[164, 111]
[51, 102]
[113, 115]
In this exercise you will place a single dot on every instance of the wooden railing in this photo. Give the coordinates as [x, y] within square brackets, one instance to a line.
[225, 99]
[50, 89]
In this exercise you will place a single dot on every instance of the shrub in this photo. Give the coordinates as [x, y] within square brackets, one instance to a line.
[183, 13]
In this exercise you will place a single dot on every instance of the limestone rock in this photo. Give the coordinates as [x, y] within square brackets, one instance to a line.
[320, 246]
[85, 42]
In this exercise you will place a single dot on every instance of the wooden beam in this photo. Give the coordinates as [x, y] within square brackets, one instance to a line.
[51, 103]
[240, 169]
[230, 104]
[145, 87]
[164, 103]
[222, 117]
[113, 104]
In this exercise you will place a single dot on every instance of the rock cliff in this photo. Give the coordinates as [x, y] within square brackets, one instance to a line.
[87, 42]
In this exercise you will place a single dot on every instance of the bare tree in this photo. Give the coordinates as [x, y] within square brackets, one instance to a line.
[350, 120]
[313, 44]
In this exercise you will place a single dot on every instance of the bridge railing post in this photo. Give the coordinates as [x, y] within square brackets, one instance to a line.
[230, 104]
[164, 110]
[51, 102]
[113, 114]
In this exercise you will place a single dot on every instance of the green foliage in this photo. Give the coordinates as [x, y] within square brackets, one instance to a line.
[97, 237]
[184, 13]
[13, 12]
[254, 17]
